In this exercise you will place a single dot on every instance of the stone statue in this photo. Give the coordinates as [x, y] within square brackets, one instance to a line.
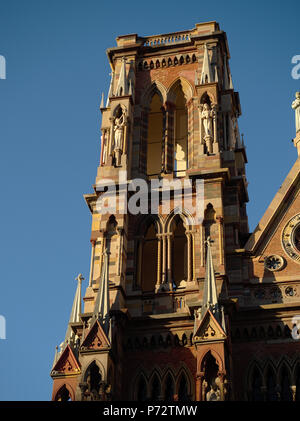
[207, 115]
[119, 124]
[296, 107]
[213, 394]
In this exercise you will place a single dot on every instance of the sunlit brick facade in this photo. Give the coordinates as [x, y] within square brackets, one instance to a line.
[177, 308]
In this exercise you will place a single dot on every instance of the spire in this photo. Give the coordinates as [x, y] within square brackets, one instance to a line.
[210, 299]
[207, 74]
[122, 83]
[110, 91]
[75, 312]
[101, 309]
[102, 101]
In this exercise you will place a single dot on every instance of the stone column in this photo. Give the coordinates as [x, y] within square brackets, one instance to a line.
[169, 266]
[199, 385]
[189, 265]
[164, 259]
[221, 377]
[158, 280]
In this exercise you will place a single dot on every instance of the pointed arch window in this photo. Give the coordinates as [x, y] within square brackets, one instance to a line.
[169, 389]
[179, 252]
[63, 394]
[256, 385]
[155, 388]
[286, 393]
[142, 390]
[155, 136]
[183, 395]
[93, 378]
[271, 385]
[149, 259]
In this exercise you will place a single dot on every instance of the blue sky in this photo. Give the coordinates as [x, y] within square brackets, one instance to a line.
[50, 144]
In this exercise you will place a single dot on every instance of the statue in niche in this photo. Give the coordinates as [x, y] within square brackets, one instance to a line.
[119, 125]
[207, 116]
[213, 393]
[296, 107]
[104, 145]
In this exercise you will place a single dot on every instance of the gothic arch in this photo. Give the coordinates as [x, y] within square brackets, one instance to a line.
[216, 356]
[155, 385]
[139, 383]
[64, 392]
[155, 88]
[117, 109]
[254, 383]
[184, 373]
[169, 380]
[98, 364]
[187, 219]
[208, 97]
[145, 221]
[186, 87]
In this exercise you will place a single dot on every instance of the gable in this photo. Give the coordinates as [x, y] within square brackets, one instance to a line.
[283, 207]
[209, 329]
[96, 338]
[67, 363]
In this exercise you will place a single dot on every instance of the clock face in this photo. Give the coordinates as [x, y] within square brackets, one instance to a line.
[291, 238]
[296, 238]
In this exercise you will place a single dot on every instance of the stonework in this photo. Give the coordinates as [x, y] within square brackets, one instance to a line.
[150, 329]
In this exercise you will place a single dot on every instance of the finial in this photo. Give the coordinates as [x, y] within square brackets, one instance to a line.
[102, 101]
[296, 107]
[79, 278]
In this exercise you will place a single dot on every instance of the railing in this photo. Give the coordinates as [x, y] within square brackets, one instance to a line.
[166, 39]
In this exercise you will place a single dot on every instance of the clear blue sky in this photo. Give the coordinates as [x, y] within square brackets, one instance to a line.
[50, 144]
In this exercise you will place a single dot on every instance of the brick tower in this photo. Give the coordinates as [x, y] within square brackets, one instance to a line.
[157, 310]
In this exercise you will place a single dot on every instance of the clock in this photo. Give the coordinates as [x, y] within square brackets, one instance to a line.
[291, 238]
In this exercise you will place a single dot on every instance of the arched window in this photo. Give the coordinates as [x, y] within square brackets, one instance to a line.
[142, 390]
[181, 134]
[149, 260]
[256, 385]
[211, 390]
[183, 395]
[271, 385]
[155, 136]
[169, 389]
[93, 378]
[63, 394]
[155, 388]
[286, 393]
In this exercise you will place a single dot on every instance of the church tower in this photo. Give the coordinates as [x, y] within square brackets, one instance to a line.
[157, 309]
